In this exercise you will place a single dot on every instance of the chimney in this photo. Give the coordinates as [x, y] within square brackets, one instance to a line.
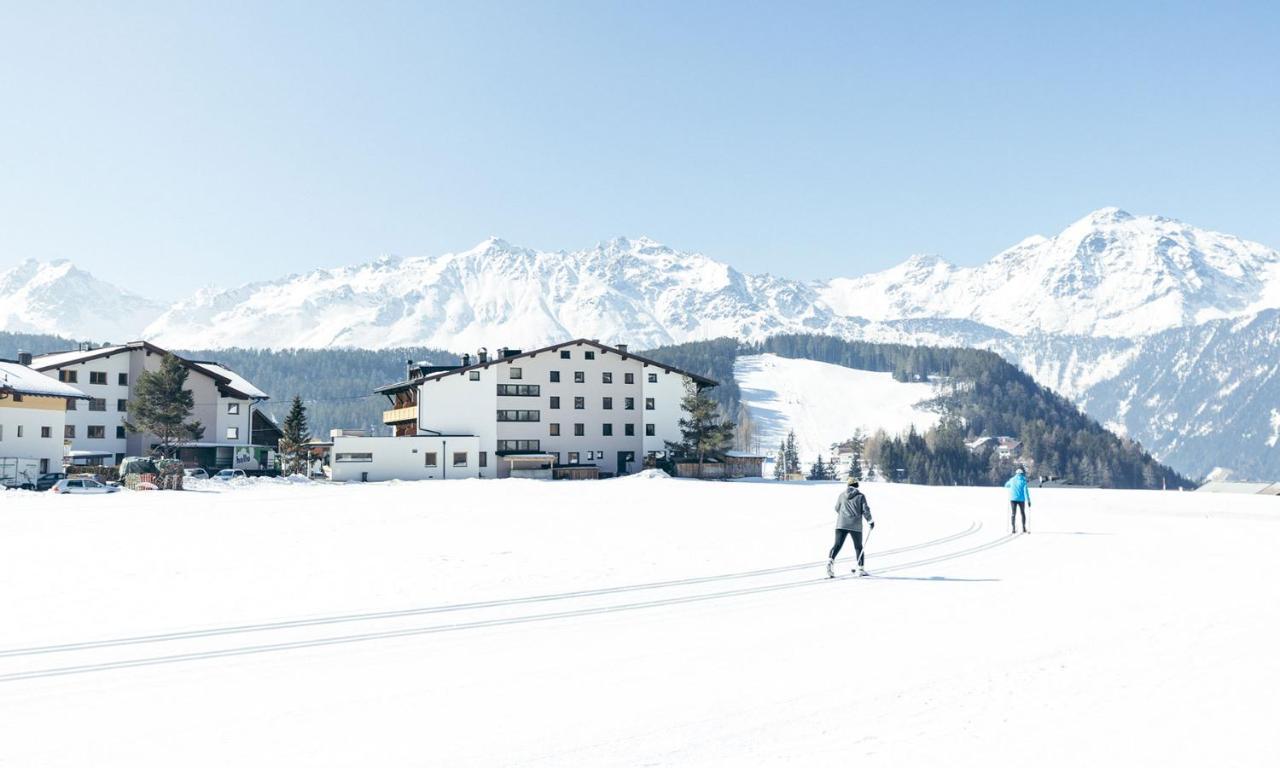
[408, 369]
[483, 354]
[622, 348]
[466, 359]
[24, 358]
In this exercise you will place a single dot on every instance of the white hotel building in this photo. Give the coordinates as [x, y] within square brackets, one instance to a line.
[236, 433]
[33, 412]
[567, 410]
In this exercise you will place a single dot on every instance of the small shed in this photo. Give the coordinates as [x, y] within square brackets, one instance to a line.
[743, 464]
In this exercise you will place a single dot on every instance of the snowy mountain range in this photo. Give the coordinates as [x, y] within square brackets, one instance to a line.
[1108, 306]
[57, 298]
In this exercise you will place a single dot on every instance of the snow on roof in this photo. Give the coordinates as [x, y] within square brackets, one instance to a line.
[234, 380]
[27, 381]
[1221, 486]
[55, 359]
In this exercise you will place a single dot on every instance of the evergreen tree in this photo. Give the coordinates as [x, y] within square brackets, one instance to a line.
[703, 431]
[791, 454]
[780, 463]
[293, 448]
[161, 405]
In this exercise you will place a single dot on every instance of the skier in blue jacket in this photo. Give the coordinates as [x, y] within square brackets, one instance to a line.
[1019, 499]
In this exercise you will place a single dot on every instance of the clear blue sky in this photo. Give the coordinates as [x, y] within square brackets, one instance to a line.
[167, 145]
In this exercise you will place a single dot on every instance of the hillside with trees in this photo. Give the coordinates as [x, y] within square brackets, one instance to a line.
[986, 396]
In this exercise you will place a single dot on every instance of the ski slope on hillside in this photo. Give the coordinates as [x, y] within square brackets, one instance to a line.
[825, 403]
[634, 622]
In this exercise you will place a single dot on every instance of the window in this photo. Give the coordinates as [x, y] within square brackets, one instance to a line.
[69, 432]
[123, 380]
[565, 354]
[513, 373]
[71, 404]
[19, 430]
[233, 409]
[629, 430]
[579, 430]
[629, 403]
[555, 403]
[484, 458]
[429, 459]
[508, 446]
[459, 458]
[17, 397]
[519, 390]
[119, 433]
[555, 377]
[97, 377]
[628, 378]
[653, 378]
[46, 431]
[573, 457]
[579, 377]
[346, 458]
[606, 377]
[473, 375]
[648, 404]
[122, 405]
[608, 430]
[519, 415]
[233, 433]
[97, 404]
[589, 355]
[555, 429]
[97, 432]
[579, 403]
[67, 376]
[649, 431]
[607, 403]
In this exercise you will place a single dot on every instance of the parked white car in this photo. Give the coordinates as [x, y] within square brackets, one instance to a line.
[82, 485]
[230, 474]
[196, 474]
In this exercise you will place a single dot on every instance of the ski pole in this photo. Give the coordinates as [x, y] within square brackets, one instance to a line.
[865, 543]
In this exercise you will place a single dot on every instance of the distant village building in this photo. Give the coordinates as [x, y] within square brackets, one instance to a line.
[571, 410]
[237, 434]
[1004, 446]
[33, 411]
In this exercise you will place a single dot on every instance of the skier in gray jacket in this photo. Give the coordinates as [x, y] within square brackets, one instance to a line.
[851, 508]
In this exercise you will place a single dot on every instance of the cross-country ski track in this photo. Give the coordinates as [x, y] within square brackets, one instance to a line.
[891, 566]
[633, 622]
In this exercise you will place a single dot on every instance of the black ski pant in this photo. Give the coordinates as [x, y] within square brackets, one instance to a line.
[857, 543]
[1014, 508]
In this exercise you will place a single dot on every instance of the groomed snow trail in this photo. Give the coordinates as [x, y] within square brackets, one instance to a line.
[628, 622]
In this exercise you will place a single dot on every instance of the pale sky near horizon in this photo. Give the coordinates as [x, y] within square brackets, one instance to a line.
[167, 145]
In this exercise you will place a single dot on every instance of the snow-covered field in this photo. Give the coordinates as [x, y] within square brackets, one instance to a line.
[825, 403]
[634, 622]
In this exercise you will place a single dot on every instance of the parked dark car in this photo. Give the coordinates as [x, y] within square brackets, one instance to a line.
[48, 480]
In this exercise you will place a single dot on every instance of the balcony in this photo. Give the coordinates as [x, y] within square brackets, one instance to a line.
[398, 415]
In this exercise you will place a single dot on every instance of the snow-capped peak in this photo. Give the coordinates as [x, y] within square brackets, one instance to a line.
[56, 297]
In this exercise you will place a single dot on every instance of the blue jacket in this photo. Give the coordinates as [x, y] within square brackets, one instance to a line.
[1018, 490]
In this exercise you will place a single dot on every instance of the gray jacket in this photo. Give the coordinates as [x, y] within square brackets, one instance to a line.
[851, 507]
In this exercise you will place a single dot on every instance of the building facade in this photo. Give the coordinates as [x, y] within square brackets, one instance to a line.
[33, 412]
[576, 404]
[224, 403]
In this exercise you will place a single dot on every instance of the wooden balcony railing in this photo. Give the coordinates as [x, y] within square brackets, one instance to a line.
[397, 415]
